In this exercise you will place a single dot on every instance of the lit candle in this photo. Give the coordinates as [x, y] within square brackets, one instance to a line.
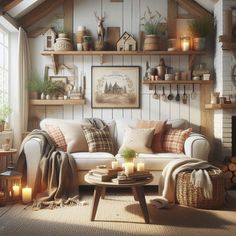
[129, 168]
[114, 165]
[16, 190]
[185, 43]
[140, 166]
[26, 195]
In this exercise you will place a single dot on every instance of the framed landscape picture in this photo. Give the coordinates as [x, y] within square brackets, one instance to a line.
[115, 86]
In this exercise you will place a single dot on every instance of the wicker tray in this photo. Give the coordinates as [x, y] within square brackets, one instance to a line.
[187, 194]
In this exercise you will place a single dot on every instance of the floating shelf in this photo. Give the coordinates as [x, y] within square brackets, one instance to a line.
[55, 55]
[39, 102]
[220, 106]
[179, 82]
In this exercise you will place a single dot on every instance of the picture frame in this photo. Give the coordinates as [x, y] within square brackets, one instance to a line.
[63, 79]
[115, 86]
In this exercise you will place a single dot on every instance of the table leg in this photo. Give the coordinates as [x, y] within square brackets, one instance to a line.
[96, 197]
[142, 202]
[103, 194]
[135, 193]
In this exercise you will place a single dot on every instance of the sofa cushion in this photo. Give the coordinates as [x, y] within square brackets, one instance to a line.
[158, 134]
[73, 132]
[138, 139]
[89, 160]
[154, 162]
[98, 140]
[173, 140]
[57, 136]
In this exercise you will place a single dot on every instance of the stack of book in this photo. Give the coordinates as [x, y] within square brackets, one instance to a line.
[122, 178]
[103, 174]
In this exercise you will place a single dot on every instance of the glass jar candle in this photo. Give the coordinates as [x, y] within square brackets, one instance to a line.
[185, 43]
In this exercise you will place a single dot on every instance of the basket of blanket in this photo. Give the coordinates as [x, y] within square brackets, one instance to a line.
[189, 195]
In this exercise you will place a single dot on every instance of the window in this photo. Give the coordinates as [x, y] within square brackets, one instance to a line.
[4, 72]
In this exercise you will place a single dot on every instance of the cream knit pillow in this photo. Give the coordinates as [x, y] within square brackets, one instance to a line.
[138, 139]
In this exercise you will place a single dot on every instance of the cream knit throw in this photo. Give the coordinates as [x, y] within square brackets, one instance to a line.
[199, 178]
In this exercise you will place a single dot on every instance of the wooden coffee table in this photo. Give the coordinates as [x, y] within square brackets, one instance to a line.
[137, 189]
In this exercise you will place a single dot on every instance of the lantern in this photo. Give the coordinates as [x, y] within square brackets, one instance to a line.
[10, 184]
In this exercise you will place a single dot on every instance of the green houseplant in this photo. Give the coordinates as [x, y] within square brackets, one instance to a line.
[128, 154]
[5, 111]
[35, 86]
[153, 24]
[53, 88]
[200, 28]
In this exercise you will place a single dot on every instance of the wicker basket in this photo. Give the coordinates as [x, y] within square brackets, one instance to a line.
[189, 195]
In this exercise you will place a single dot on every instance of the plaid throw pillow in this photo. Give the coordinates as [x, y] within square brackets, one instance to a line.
[58, 137]
[173, 140]
[99, 140]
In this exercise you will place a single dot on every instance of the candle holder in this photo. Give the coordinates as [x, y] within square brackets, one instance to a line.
[185, 43]
[10, 184]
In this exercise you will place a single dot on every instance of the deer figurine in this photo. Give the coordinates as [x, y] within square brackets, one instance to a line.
[100, 29]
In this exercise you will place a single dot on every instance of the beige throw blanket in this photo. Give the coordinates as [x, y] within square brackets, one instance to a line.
[56, 178]
[199, 177]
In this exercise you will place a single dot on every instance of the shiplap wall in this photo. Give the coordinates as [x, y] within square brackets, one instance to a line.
[126, 15]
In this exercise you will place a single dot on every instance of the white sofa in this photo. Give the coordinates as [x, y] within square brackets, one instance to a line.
[196, 146]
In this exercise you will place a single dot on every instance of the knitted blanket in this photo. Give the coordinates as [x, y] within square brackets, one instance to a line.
[199, 177]
[56, 178]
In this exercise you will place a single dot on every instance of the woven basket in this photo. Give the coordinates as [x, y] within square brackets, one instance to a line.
[189, 195]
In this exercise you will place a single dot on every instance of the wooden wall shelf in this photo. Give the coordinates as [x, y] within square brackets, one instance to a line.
[201, 82]
[38, 102]
[55, 55]
[220, 106]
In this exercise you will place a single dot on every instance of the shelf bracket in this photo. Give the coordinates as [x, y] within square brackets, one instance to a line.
[55, 63]
[101, 59]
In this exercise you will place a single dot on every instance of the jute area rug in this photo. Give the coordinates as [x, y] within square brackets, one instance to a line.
[118, 214]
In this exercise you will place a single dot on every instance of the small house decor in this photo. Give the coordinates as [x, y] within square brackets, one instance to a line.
[126, 43]
[10, 184]
[49, 39]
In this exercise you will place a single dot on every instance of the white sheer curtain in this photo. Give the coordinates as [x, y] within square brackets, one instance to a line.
[20, 97]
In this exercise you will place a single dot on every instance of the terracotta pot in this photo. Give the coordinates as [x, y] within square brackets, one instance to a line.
[151, 43]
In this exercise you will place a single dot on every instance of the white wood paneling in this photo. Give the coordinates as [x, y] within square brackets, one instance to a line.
[125, 15]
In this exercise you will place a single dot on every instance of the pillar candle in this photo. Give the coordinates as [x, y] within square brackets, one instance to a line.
[16, 190]
[114, 165]
[26, 195]
[129, 168]
[140, 166]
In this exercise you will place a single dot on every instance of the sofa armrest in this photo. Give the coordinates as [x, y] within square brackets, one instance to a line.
[33, 150]
[197, 146]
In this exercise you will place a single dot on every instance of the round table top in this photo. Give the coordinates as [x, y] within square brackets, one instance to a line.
[111, 184]
[11, 151]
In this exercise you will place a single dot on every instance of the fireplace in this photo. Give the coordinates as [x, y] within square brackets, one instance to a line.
[233, 136]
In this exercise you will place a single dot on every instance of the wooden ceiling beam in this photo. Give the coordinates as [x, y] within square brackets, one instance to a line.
[194, 8]
[8, 5]
[39, 12]
[171, 19]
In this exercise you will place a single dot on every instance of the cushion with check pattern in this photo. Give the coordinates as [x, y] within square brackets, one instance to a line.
[99, 140]
[57, 136]
[173, 140]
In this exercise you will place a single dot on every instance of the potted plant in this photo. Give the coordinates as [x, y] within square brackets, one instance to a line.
[5, 111]
[52, 88]
[128, 154]
[35, 86]
[153, 27]
[87, 42]
[200, 28]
